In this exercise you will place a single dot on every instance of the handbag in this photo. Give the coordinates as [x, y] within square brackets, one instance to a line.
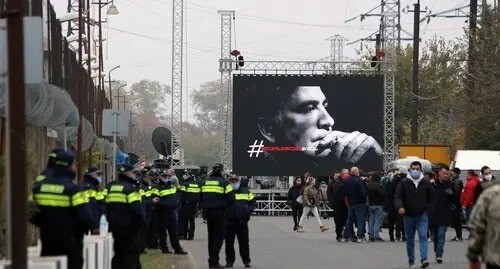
[300, 199]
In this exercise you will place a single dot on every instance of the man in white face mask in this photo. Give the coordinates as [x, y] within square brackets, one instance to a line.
[487, 180]
[91, 181]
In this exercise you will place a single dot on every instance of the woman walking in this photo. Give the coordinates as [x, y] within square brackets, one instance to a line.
[310, 199]
[293, 194]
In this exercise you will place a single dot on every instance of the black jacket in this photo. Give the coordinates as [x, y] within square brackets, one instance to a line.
[169, 197]
[216, 193]
[293, 194]
[444, 193]
[375, 193]
[390, 191]
[63, 209]
[458, 186]
[243, 205]
[355, 191]
[124, 205]
[190, 192]
[336, 194]
[415, 201]
[96, 198]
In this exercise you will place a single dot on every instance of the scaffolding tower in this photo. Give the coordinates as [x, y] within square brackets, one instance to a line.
[177, 68]
[226, 106]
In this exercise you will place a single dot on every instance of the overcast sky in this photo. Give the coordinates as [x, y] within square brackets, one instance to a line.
[140, 36]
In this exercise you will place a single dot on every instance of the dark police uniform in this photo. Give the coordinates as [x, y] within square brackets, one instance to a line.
[146, 192]
[216, 196]
[190, 196]
[63, 213]
[168, 203]
[96, 197]
[238, 215]
[126, 217]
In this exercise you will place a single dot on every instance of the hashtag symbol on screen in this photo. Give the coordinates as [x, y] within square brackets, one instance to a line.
[256, 148]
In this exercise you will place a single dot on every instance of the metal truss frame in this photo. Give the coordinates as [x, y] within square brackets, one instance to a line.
[177, 69]
[390, 28]
[226, 106]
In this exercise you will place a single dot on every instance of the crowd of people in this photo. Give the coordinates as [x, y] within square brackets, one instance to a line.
[410, 202]
[141, 206]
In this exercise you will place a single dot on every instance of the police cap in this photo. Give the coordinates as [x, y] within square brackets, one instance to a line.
[126, 168]
[64, 159]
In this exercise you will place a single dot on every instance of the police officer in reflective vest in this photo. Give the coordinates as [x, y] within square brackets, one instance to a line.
[216, 196]
[238, 215]
[126, 218]
[63, 212]
[166, 200]
[91, 180]
[146, 191]
[190, 196]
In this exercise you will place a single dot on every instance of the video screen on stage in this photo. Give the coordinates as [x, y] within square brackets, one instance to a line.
[293, 124]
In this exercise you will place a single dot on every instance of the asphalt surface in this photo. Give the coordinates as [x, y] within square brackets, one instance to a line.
[273, 244]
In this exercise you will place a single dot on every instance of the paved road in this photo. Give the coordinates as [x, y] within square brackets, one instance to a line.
[274, 245]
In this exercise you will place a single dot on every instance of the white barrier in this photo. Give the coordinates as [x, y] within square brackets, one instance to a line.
[97, 254]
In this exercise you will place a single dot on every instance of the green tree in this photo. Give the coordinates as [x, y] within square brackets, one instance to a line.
[206, 101]
[483, 120]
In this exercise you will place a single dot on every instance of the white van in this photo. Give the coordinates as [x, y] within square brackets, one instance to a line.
[475, 159]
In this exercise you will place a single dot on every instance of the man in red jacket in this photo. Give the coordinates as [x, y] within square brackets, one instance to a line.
[468, 198]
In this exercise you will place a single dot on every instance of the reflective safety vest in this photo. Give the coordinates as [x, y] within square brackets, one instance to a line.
[214, 186]
[191, 187]
[216, 194]
[116, 195]
[244, 196]
[56, 195]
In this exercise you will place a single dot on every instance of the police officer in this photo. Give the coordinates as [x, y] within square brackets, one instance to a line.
[90, 185]
[167, 201]
[190, 196]
[146, 191]
[126, 218]
[152, 238]
[216, 196]
[238, 215]
[63, 212]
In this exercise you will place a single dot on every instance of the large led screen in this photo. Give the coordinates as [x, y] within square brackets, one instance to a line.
[290, 125]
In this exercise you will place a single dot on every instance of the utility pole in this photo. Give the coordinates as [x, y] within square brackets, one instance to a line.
[16, 186]
[79, 87]
[471, 85]
[416, 43]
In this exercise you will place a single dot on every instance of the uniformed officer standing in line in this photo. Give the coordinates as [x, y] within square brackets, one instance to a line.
[190, 196]
[166, 200]
[64, 213]
[216, 196]
[146, 191]
[126, 217]
[90, 185]
[238, 215]
[152, 239]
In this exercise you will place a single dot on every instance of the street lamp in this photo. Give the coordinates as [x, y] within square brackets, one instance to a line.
[118, 95]
[109, 80]
[112, 10]
[125, 95]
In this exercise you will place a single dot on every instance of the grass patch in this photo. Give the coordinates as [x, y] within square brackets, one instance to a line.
[156, 259]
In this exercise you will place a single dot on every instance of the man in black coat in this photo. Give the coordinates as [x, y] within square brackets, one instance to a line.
[440, 218]
[415, 200]
[456, 207]
[395, 220]
[336, 198]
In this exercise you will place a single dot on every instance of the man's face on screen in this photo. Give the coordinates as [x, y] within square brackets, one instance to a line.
[304, 120]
